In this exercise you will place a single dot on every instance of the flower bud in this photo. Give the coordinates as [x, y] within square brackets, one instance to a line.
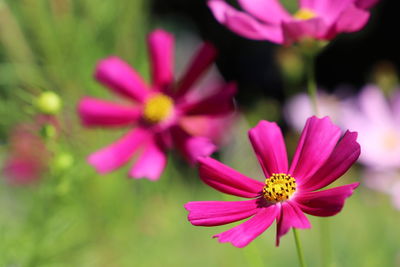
[48, 103]
[48, 131]
[63, 161]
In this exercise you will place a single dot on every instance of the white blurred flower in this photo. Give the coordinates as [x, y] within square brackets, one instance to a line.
[299, 108]
[377, 121]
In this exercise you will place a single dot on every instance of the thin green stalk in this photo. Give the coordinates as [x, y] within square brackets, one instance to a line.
[299, 249]
[311, 82]
[312, 92]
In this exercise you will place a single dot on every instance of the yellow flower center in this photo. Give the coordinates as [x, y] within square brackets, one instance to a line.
[279, 187]
[157, 108]
[391, 141]
[304, 14]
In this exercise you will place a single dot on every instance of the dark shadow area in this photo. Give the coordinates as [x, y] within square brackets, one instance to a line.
[349, 59]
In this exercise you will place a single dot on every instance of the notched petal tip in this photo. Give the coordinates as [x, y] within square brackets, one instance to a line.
[242, 234]
[150, 164]
[218, 8]
[120, 77]
[104, 64]
[160, 33]
[269, 146]
[161, 51]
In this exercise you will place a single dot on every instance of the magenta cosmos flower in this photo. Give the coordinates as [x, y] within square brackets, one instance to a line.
[163, 115]
[321, 157]
[268, 19]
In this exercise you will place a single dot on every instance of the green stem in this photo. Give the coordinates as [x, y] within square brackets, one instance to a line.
[299, 249]
[311, 82]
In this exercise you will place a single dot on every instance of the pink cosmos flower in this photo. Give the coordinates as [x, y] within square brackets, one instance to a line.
[27, 156]
[163, 115]
[321, 157]
[377, 121]
[268, 19]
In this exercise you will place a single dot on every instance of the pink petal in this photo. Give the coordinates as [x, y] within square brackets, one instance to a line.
[216, 128]
[325, 203]
[197, 147]
[120, 77]
[118, 153]
[96, 112]
[243, 24]
[269, 11]
[395, 105]
[241, 235]
[309, 4]
[23, 170]
[227, 180]
[161, 48]
[366, 4]
[329, 10]
[352, 19]
[213, 213]
[219, 103]
[317, 141]
[269, 146]
[291, 216]
[192, 147]
[342, 158]
[202, 60]
[296, 30]
[151, 162]
[375, 106]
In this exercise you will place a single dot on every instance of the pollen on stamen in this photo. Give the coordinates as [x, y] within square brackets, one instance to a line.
[157, 108]
[304, 14]
[279, 187]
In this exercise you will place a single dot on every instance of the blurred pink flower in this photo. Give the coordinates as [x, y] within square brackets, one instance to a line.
[268, 19]
[321, 157]
[27, 155]
[22, 170]
[299, 108]
[377, 121]
[163, 115]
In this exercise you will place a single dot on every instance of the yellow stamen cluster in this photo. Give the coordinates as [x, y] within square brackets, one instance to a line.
[157, 108]
[304, 14]
[279, 187]
[391, 140]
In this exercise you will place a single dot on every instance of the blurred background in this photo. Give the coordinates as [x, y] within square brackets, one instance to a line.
[57, 211]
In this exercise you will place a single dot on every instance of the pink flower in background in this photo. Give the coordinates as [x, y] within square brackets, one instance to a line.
[27, 156]
[268, 19]
[322, 156]
[166, 114]
[377, 121]
[298, 108]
